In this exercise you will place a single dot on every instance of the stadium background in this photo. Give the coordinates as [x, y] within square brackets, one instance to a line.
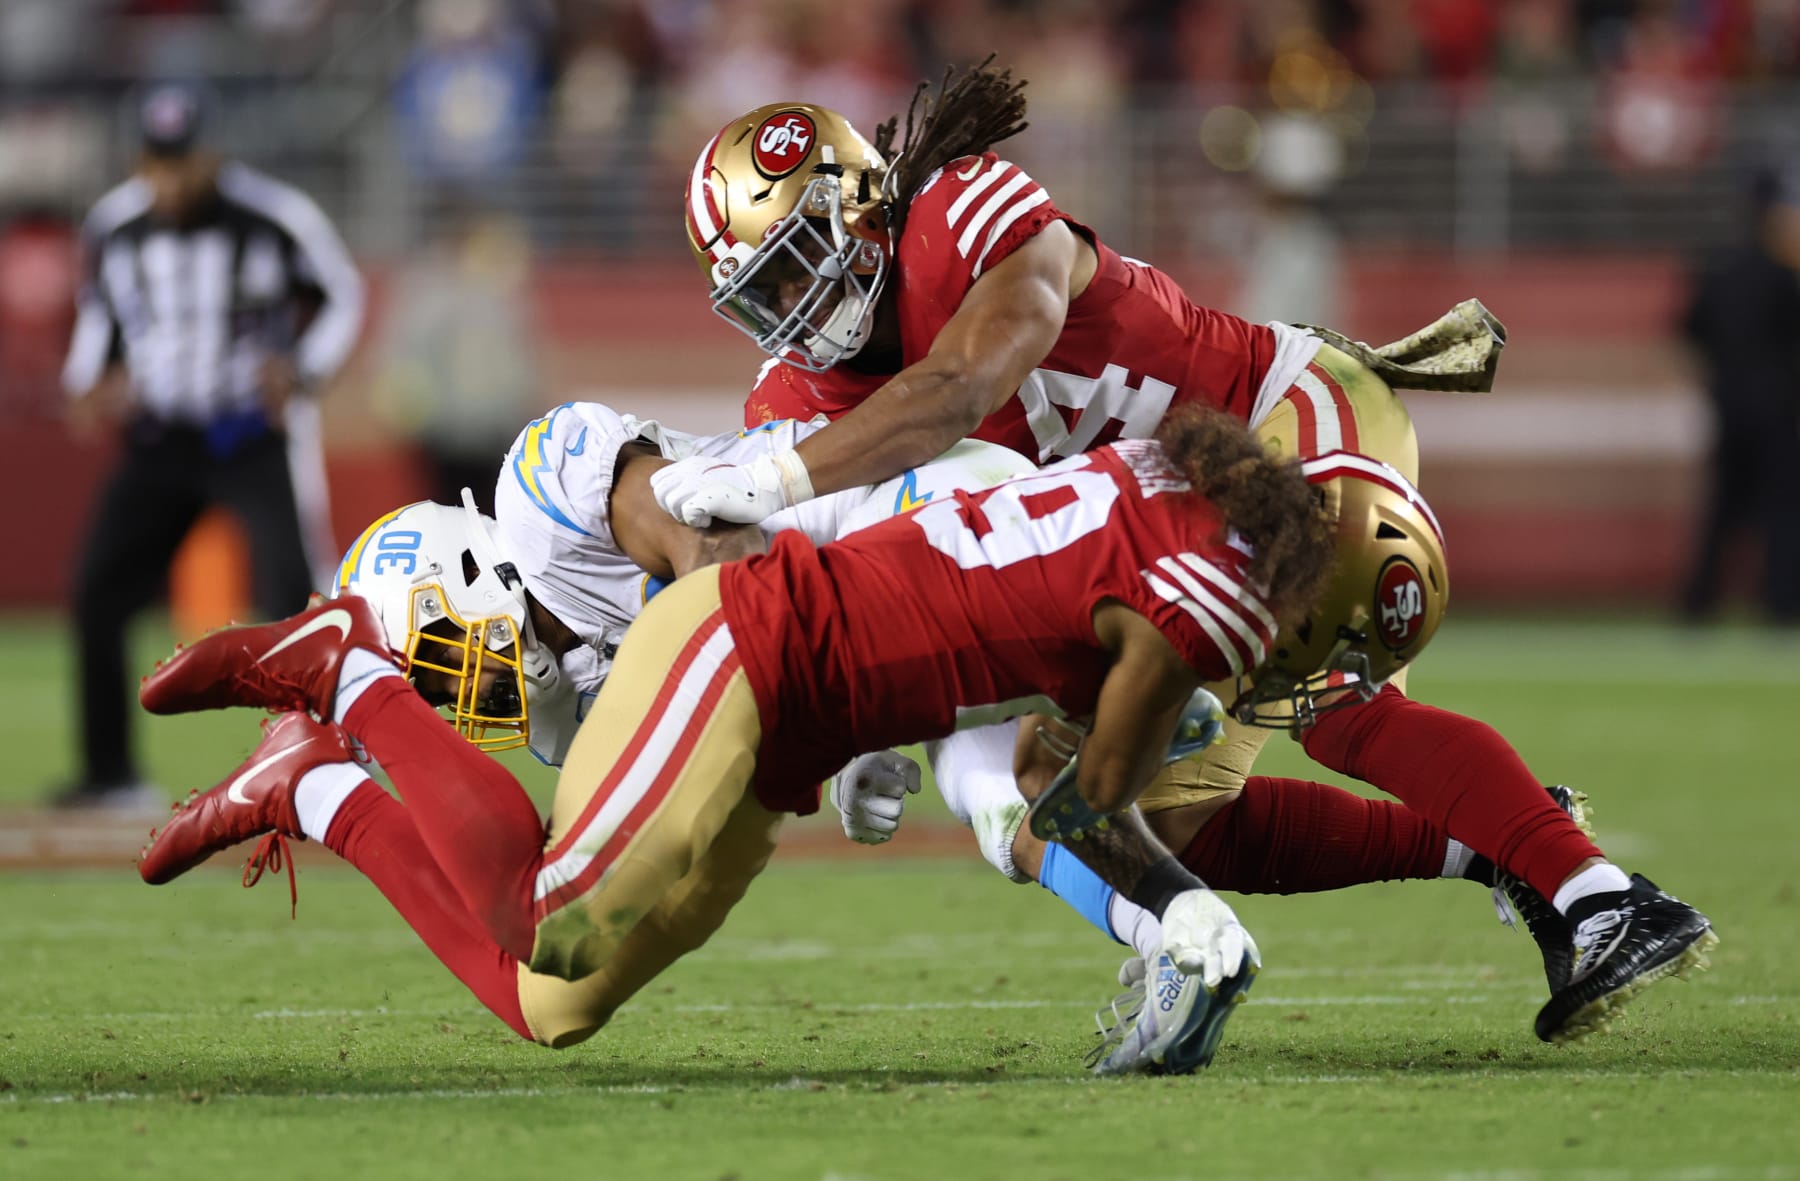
[509, 174]
[517, 166]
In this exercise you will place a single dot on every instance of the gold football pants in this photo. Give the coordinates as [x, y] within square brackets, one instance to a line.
[1337, 404]
[654, 834]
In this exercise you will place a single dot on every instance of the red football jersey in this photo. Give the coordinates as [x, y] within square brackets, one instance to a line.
[1133, 344]
[978, 608]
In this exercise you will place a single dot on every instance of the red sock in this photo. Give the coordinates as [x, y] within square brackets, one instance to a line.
[1461, 775]
[483, 831]
[373, 832]
[1290, 836]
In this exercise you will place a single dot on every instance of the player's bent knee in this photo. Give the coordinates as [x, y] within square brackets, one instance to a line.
[1177, 827]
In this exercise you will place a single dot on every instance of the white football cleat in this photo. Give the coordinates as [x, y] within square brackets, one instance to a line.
[1166, 1021]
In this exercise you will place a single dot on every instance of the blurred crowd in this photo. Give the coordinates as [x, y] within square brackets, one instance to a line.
[573, 119]
[474, 82]
[580, 49]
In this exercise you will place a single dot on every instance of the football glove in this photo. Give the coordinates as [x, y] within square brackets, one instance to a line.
[699, 491]
[870, 793]
[1202, 935]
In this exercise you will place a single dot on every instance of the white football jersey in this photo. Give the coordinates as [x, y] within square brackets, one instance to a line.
[551, 503]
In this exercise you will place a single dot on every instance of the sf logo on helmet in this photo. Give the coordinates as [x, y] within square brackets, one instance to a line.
[1400, 599]
[782, 143]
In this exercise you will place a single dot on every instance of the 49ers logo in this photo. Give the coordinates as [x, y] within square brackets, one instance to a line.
[782, 143]
[1399, 604]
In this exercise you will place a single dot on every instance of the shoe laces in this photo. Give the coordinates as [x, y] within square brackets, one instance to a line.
[272, 854]
[262, 682]
[1115, 1021]
[1503, 906]
[1590, 933]
[1596, 926]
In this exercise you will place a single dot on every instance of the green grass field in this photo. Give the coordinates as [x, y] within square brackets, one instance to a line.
[892, 1017]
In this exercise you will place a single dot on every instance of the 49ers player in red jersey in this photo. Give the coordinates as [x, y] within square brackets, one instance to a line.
[741, 687]
[922, 291]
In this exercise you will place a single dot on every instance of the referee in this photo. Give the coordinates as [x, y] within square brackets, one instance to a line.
[215, 299]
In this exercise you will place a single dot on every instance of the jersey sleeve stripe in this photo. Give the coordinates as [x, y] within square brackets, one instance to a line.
[986, 213]
[327, 341]
[1233, 659]
[1239, 593]
[976, 187]
[1005, 223]
[1227, 613]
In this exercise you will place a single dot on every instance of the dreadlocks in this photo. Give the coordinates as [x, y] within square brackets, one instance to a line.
[970, 114]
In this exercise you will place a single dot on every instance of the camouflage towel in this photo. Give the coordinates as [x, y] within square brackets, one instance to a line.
[1456, 353]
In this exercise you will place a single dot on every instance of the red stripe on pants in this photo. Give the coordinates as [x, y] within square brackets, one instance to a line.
[666, 777]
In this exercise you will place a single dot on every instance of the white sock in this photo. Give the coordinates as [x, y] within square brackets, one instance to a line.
[361, 668]
[1456, 859]
[1605, 878]
[1133, 924]
[321, 792]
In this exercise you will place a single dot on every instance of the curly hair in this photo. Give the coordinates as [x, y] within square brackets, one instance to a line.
[1264, 498]
[970, 114]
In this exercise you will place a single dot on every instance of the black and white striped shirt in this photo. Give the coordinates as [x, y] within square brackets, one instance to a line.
[194, 311]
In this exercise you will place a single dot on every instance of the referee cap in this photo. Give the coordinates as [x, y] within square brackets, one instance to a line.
[170, 117]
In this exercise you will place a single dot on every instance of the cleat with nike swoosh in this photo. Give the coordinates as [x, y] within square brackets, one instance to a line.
[1642, 937]
[255, 799]
[289, 664]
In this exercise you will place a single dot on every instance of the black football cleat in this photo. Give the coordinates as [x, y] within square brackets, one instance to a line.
[1644, 936]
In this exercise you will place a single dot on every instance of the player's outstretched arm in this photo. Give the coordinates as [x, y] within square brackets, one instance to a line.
[1004, 327]
[1143, 697]
[1007, 324]
[658, 542]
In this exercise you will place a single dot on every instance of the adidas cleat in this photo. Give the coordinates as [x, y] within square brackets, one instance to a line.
[1166, 1022]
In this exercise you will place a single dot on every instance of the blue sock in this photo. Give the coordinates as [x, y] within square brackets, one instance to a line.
[1067, 878]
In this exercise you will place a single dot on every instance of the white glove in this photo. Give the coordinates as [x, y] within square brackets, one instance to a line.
[1202, 936]
[870, 793]
[699, 490]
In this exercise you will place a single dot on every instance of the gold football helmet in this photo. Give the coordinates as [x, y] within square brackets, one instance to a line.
[777, 211]
[1380, 607]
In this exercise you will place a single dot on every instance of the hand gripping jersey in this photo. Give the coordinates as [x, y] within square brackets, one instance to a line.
[979, 607]
[554, 524]
[1133, 344]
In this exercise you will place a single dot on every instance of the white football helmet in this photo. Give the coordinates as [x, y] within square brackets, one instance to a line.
[456, 610]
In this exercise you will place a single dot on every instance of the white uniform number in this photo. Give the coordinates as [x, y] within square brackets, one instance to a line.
[1097, 401]
[1027, 520]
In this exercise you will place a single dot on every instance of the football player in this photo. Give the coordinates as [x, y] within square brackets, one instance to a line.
[726, 705]
[577, 529]
[920, 288]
